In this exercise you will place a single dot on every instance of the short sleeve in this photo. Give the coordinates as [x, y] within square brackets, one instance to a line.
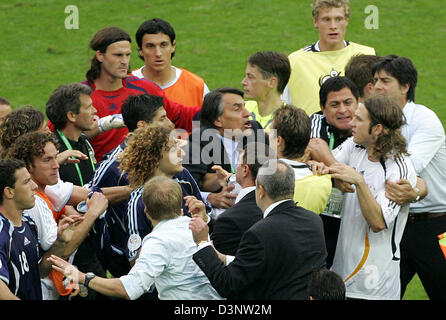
[5, 238]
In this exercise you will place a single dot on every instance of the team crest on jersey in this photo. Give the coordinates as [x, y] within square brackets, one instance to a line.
[333, 73]
[26, 242]
[112, 107]
[134, 242]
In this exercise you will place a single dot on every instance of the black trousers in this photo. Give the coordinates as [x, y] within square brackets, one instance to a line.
[421, 254]
[331, 232]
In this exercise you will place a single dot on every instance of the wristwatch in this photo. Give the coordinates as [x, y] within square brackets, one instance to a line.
[88, 277]
[418, 194]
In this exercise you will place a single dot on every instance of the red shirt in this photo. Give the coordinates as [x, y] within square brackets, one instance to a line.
[110, 102]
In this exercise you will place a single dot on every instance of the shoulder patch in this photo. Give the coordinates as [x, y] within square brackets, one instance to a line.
[134, 242]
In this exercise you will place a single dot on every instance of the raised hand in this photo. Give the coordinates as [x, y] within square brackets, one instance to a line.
[222, 175]
[224, 199]
[200, 229]
[196, 207]
[65, 227]
[70, 156]
[71, 273]
[97, 204]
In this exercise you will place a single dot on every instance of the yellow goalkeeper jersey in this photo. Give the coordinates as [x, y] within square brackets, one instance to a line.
[310, 68]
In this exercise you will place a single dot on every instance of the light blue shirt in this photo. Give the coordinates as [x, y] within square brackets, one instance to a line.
[166, 260]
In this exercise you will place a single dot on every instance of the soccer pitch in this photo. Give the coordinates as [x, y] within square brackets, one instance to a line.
[43, 47]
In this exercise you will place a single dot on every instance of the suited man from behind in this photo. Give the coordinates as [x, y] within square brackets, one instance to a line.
[277, 254]
[232, 224]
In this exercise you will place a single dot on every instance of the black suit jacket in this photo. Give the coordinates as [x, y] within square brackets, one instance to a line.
[274, 260]
[205, 149]
[230, 226]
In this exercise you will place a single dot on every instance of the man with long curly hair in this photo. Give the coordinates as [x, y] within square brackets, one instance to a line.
[111, 239]
[151, 152]
[367, 252]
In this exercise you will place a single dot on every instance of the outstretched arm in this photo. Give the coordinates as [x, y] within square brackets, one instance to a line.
[109, 287]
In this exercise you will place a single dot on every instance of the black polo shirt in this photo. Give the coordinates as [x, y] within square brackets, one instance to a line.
[68, 171]
[321, 129]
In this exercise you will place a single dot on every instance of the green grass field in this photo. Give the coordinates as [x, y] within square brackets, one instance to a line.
[214, 40]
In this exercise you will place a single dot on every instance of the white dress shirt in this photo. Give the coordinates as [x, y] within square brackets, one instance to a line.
[425, 137]
[166, 260]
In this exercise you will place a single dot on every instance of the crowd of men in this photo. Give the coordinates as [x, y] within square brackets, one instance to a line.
[321, 179]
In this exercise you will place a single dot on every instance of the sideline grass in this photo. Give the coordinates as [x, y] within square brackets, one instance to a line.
[214, 40]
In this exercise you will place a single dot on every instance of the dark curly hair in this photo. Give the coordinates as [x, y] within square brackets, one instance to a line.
[17, 123]
[144, 150]
[31, 145]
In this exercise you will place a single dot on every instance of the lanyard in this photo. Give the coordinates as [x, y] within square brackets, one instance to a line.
[68, 145]
[331, 144]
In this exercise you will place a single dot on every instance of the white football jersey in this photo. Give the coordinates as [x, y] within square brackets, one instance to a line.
[368, 261]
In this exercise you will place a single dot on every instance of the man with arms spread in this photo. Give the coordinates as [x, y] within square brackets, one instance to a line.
[156, 47]
[326, 58]
[396, 77]
[166, 254]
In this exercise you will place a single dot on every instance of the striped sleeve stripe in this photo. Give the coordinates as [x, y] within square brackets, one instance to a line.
[402, 167]
[132, 213]
[316, 125]
[308, 48]
[101, 170]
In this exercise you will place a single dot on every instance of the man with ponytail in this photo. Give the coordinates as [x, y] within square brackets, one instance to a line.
[367, 253]
[108, 78]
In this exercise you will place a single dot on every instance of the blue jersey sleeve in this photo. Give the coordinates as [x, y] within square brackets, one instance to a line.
[190, 188]
[107, 173]
[5, 242]
[138, 224]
